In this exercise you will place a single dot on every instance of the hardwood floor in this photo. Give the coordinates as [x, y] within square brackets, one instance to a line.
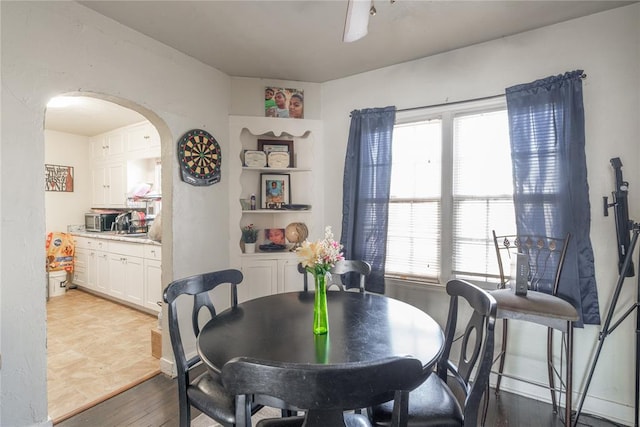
[95, 349]
[154, 403]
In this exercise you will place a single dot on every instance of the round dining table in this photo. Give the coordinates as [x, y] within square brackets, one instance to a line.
[279, 328]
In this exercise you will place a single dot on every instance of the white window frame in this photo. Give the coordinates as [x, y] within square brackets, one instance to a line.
[446, 114]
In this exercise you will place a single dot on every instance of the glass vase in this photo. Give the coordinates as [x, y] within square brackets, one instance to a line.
[320, 313]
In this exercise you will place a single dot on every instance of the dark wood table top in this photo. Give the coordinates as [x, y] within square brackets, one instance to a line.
[362, 327]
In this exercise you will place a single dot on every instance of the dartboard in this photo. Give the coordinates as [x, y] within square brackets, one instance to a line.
[200, 158]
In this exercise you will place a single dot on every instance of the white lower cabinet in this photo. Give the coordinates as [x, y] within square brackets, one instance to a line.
[99, 271]
[152, 277]
[260, 279]
[80, 263]
[266, 276]
[292, 280]
[125, 271]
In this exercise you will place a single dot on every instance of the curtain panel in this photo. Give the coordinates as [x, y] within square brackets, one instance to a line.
[551, 192]
[366, 188]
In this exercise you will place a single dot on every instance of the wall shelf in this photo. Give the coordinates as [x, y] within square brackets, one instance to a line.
[270, 272]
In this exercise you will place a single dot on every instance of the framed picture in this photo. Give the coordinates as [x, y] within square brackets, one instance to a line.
[274, 236]
[276, 190]
[277, 145]
[283, 102]
[58, 178]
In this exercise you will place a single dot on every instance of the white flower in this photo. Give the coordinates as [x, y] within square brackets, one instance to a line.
[318, 257]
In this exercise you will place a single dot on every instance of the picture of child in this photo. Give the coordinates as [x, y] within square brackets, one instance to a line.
[274, 236]
[275, 191]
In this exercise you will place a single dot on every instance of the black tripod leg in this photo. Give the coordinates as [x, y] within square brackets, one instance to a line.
[605, 329]
[636, 401]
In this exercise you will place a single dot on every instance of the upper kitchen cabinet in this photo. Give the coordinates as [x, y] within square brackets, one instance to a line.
[121, 159]
[108, 146]
[143, 141]
[109, 185]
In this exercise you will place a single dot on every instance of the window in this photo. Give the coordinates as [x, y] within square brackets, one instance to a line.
[451, 185]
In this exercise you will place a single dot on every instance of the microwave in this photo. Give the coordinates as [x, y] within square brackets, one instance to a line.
[99, 221]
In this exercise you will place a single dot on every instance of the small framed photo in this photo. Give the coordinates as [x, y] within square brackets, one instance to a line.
[283, 102]
[274, 236]
[276, 190]
[277, 145]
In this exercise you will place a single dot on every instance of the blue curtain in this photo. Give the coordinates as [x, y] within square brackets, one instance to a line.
[367, 180]
[551, 193]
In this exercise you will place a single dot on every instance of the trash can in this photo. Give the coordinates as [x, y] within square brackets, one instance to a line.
[57, 283]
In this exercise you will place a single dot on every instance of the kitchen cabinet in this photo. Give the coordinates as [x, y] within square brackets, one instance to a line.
[98, 277]
[272, 272]
[108, 146]
[152, 277]
[109, 185]
[118, 162]
[143, 141]
[126, 274]
[90, 263]
[80, 264]
[128, 271]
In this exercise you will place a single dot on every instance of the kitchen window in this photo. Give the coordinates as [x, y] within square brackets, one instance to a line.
[451, 185]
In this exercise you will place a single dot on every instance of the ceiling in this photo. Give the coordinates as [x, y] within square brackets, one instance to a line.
[301, 40]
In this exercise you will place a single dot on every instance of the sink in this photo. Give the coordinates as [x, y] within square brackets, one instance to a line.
[117, 234]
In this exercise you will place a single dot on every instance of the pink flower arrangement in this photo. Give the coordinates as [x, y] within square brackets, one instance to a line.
[320, 256]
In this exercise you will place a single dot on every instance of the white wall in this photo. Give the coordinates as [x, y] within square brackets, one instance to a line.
[50, 48]
[67, 208]
[610, 57]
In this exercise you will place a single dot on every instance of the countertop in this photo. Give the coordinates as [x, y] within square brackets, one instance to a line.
[110, 235]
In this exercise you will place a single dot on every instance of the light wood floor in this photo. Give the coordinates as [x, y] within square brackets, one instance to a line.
[95, 349]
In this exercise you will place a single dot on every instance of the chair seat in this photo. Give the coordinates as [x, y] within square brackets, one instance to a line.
[350, 420]
[536, 307]
[208, 395]
[431, 404]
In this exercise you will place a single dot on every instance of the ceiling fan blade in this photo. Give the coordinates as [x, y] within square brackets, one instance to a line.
[357, 22]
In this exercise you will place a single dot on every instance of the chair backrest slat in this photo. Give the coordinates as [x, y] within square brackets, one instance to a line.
[323, 387]
[545, 256]
[350, 270]
[476, 354]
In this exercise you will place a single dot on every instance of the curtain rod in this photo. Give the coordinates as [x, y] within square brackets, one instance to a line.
[484, 98]
[444, 104]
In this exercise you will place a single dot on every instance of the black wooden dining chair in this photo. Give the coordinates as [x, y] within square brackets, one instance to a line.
[435, 402]
[544, 256]
[206, 391]
[324, 392]
[350, 270]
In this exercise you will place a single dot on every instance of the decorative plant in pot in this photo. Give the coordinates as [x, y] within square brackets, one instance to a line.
[249, 237]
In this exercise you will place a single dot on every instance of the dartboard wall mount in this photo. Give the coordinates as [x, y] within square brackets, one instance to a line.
[200, 158]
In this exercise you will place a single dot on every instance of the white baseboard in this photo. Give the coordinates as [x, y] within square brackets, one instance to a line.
[168, 367]
[613, 411]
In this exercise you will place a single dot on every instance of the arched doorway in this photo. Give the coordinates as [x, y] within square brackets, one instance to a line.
[71, 127]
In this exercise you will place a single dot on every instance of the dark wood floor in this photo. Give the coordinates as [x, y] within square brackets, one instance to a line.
[154, 403]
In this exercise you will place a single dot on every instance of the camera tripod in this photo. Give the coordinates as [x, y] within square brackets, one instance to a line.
[607, 329]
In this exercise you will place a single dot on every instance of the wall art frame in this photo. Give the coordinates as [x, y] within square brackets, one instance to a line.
[58, 178]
